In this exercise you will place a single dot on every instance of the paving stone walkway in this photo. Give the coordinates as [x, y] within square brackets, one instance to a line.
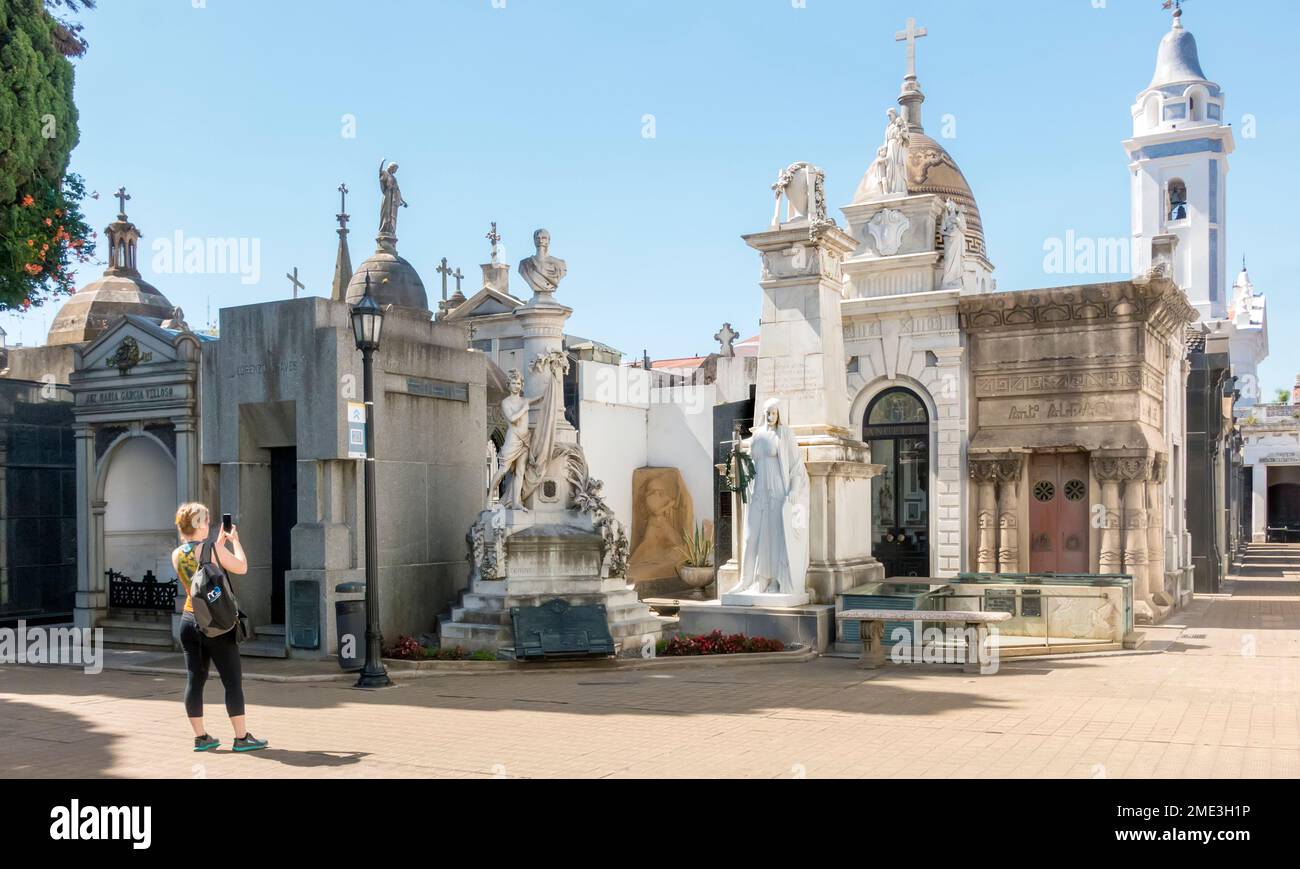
[1217, 695]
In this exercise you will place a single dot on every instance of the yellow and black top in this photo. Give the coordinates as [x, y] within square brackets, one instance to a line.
[187, 564]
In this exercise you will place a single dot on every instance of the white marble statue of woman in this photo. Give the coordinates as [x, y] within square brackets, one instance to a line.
[775, 557]
[897, 140]
[953, 230]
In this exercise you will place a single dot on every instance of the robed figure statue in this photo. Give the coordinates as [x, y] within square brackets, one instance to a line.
[393, 200]
[775, 557]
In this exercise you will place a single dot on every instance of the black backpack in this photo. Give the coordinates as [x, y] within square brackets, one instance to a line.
[216, 611]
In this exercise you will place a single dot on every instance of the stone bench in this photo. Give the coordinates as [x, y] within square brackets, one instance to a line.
[872, 628]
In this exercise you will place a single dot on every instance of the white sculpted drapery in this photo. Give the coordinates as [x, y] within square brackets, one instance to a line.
[776, 520]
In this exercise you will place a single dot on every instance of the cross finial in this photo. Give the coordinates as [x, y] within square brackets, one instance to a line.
[910, 36]
[343, 206]
[726, 335]
[494, 237]
[297, 284]
[444, 270]
[122, 198]
[459, 277]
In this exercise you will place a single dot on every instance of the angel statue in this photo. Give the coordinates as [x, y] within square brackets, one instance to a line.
[392, 199]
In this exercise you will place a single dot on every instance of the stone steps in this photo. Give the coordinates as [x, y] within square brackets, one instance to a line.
[267, 641]
[128, 629]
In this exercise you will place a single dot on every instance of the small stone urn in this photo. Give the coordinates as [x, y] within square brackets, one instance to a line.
[697, 578]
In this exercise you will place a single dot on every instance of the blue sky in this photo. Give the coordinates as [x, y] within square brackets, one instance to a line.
[227, 121]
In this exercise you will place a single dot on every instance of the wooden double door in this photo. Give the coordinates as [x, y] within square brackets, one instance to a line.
[1058, 513]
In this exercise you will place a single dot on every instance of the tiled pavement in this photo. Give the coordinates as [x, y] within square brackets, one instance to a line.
[1219, 698]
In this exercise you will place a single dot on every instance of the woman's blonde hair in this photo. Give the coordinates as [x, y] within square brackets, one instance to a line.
[189, 516]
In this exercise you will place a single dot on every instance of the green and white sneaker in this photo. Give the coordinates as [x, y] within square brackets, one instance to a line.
[249, 742]
[205, 742]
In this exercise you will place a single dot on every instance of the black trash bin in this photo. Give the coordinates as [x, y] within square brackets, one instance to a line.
[351, 618]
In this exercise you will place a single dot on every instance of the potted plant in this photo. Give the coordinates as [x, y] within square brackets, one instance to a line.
[697, 550]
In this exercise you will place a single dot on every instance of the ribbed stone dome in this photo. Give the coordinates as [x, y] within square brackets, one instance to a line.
[92, 308]
[931, 169]
[393, 281]
[119, 292]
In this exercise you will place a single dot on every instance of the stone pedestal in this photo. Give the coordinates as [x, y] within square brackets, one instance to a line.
[541, 555]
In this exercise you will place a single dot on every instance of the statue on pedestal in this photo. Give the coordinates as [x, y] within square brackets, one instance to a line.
[392, 199]
[515, 453]
[776, 521]
[953, 230]
[542, 271]
[897, 140]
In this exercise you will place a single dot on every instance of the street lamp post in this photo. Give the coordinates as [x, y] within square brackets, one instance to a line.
[367, 323]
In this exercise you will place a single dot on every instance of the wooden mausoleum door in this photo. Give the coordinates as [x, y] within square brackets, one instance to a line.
[1058, 513]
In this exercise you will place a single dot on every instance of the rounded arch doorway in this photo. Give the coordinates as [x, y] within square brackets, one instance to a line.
[897, 428]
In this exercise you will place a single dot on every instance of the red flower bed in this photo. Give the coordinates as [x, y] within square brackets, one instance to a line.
[718, 643]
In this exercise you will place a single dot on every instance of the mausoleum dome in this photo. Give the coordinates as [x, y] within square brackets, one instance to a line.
[1177, 61]
[120, 291]
[393, 281]
[931, 169]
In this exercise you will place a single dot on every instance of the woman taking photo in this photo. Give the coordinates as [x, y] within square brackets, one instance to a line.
[192, 521]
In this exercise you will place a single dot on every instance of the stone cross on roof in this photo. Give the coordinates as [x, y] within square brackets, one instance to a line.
[910, 36]
[444, 270]
[122, 198]
[297, 284]
[343, 206]
[726, 337]
[494, 237]
[459, 277]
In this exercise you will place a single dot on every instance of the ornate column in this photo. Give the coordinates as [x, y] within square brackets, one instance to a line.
[984, 473]
[1155, 529]
[1106, 470]
[1136, 472]
[1008, 470]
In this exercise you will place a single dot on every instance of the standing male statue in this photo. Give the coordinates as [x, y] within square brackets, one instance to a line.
[542, 271]
[392, 199]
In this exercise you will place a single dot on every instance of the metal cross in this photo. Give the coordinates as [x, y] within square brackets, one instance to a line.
[343, 205]
[910, 36]
[459, 277]
[297, 284]
[444, 271]
[494, 237]
[122, 198]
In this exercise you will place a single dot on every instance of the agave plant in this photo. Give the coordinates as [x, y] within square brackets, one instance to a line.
[696, 547]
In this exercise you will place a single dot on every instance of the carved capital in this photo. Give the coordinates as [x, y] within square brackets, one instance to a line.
[983, 470]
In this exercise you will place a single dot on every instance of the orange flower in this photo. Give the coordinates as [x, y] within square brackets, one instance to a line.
[32, 269]
[58, 212]
[28, 201]
[49, 222]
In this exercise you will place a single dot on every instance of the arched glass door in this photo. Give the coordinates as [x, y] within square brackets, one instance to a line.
[897, 428]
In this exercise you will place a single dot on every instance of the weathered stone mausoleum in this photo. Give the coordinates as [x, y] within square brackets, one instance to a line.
[1077, 433]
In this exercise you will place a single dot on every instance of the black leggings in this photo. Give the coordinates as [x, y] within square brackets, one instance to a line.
[201, 650]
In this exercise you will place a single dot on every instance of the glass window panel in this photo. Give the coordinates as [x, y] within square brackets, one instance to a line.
[884, 490]
[895, 408]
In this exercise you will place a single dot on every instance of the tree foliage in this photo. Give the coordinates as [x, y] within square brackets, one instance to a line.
[38, 130]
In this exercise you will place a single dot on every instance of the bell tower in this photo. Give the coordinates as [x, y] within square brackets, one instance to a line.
[1178, 160]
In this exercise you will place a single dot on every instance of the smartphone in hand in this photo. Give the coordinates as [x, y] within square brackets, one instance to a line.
[226, 523]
